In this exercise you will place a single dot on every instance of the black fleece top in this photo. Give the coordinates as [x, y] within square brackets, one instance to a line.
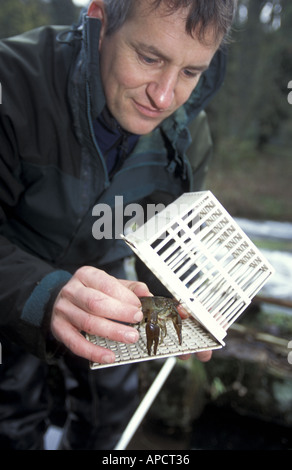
[114, 142]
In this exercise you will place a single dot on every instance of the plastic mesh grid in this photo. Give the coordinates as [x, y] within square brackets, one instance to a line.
[194, 339]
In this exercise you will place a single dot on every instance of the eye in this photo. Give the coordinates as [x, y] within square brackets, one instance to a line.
[146, 59]
[191, 74]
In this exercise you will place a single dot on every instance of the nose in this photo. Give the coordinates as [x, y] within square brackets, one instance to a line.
[161, 90]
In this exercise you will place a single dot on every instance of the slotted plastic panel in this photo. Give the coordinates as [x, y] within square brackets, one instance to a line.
[204, 259]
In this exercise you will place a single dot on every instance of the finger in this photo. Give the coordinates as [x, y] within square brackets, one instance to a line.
[204, 356]
[99, 304]
[105, 328]
[69, 334]
[185, 357]
[140, 289]
[80, 346]
[101, 281]
[183, 313]
[66, 312]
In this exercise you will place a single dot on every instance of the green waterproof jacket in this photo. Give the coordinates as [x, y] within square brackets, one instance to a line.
[53, 175]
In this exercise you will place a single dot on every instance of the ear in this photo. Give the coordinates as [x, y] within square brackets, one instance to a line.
[96, 9]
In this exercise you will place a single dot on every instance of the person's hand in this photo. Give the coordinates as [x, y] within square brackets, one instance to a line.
[95, 302]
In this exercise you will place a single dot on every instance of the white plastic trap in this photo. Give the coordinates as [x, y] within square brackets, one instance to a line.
[206, 261]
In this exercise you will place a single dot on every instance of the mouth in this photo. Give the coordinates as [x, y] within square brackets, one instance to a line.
[148, 111]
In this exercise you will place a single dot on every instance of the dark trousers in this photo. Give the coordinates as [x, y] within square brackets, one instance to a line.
[98, 404]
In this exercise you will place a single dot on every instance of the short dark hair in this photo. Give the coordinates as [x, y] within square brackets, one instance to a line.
[202, 15]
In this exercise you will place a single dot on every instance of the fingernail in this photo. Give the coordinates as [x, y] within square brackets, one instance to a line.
[138, 316]
[107, 359]
[131, 336]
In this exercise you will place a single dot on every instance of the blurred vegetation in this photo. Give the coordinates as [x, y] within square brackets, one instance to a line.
[17, 16]
[251, 119]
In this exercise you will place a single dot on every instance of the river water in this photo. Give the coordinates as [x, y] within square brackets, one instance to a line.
[280, 284]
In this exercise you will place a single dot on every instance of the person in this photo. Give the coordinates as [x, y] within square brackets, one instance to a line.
[101, 109]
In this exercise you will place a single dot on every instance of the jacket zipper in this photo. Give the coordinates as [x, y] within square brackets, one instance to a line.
[92, 135]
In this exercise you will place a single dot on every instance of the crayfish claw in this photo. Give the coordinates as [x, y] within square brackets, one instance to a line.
[157, 310]
[152, 333]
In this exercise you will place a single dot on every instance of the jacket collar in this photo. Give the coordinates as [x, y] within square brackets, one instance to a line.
[85, 90]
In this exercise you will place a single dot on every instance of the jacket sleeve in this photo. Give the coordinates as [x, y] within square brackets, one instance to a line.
[28, 285]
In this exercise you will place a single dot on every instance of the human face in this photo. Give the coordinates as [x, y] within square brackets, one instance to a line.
[150, 66]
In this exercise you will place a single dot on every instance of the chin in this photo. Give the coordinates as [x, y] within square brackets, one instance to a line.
[140, 129]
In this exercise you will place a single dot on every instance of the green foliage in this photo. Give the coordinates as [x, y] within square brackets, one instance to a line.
[253, 103]
[251, 118]
[63, 12]
[17, 16]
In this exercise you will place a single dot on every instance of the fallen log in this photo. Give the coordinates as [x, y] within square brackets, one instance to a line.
[273, 300]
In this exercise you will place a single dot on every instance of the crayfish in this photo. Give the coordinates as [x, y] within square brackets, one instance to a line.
[157, 310]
